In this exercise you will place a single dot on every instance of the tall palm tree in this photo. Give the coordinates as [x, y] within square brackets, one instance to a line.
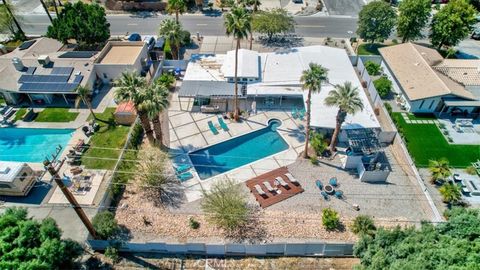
[155, 103]
[346, 98]
[130, 87]
[439, 169]
[177, 7]
[172, 32]
[312, 79]
[238, 24]
[451, 193]
[10, 12]
[83, 95]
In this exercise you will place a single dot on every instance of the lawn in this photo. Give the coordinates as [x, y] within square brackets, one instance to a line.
[110, 135]
[20, 113]
[369, 49]
[425, 142]
[56, 115]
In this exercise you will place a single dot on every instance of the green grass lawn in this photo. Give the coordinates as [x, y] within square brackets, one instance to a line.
[20, 113]
[56, 115]
[425, 142]
[110, 135]
[369, 49]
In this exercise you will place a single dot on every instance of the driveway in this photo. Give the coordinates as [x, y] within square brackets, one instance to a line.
[344, 7]
[468, 49]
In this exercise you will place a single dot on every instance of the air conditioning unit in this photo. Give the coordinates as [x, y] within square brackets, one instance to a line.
[44, 60]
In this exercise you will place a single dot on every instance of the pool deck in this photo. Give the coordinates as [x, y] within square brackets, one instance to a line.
[189, 131]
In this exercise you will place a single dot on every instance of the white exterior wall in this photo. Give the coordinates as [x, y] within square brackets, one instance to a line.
[395, 87]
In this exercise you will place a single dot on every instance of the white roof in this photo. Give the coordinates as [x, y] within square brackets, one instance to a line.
[9, 170]
[248, 64]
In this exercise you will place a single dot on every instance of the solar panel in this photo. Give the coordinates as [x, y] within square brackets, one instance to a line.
[31, 70]
[43, 78]
[48, 87]
[62, 71]
[25, 45]
[78, 54]
[78, 79]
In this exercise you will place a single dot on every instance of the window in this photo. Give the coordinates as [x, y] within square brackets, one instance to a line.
[23, 176]
[421, 104]
[5, 186]
[431, 104]
[244, 79]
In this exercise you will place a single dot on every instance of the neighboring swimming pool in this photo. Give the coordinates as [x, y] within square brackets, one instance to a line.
[236, 152]
[31, 144]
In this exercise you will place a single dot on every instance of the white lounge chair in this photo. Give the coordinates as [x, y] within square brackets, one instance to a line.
[259, 189]
[291, 178]
[268, 186]
[281, 181]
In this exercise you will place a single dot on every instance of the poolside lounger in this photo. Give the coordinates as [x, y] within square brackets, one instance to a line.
[259, 189]
[325, 195]
[319, 184]
[291, 178]
[333, 181]
[212, 128]
[268, 186]
[281, 181]
[182, 168]
[223, 125]
[185, 176]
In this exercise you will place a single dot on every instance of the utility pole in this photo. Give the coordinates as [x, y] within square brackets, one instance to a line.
[71, 199]
[46, 10]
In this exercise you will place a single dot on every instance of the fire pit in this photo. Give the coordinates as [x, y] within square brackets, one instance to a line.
[329, 189]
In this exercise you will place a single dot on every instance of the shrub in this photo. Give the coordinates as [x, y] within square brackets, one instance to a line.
[193, 223]
[112, 254]
[372, 68]
[314, 160]
[317, 141]
[105, 225]
[471, 170]
[450, 192]
[394, 41]
[383, 86]
[166, 79]
[388, 107]
[445, 132]
[330, 219]
[363, 225]
[186, 39]
[450, 139]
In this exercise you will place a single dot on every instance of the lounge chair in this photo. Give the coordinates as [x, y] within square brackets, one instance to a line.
[223, 125]
[282, 182]
[182, 168]
[319, 184]
[325, 195]
[268, 186]
[291, 178]
[185, 176]
[333, 181]
[260, 191]
[339, 194]
[212, 128]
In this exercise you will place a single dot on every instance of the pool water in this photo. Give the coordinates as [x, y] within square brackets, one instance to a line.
[238, 151]
[31, 144]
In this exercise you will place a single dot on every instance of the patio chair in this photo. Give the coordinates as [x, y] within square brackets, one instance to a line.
[339, 194]
[291, 178]
[325, 195]
[281, 182]
[260, 191]
[182, 168]
[223, 125]
[185, 176]
[212, 128]
[319, 184]
[268, 186]
[333, 181]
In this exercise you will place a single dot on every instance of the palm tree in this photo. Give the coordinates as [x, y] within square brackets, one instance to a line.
[238, 24]
[172, 32]
[312, 82]
[155, 103]
[83, 95]
[10, 12]
[130, 87]
[177, 7]
[439, 170]
[346, 98]
[451, 193]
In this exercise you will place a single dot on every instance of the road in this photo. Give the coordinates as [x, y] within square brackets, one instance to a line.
[207, 26]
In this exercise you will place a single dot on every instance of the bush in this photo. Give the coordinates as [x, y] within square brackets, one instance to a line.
[193, 223]
[383, 86]
[112, 254]
[186, 39]
[471, 170]
[372, 68]
[330, 219]
[105, 225]
[314, 160]
[166, 79]
[388, 107]
[363, 225]
[445, 132]
[318, 143]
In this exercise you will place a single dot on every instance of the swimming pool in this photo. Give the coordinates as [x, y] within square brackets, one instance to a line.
[31, 144]
[238, 151]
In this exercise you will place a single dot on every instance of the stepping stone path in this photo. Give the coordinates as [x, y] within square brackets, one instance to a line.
[411, 121]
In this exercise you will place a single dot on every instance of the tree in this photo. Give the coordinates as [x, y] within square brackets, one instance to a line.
[346, 98]
[413, 17]
[8, 19]
[439, 170]
[130, 87]
[86, 23]
[172, 32]
[383, 86]
[177, 7]
[29, 244]
[105, 225]
[225, 205]
[363, 224]
[452, 23]
[312, 80]
[167, 79]
[156, 101]
[272, 22]
[376, 21]
[83, 95]
[317, 141]
[373, 68]
[330, 219]
[451, 193]
[237, 24]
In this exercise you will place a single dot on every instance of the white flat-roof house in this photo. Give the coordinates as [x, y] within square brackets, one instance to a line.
[431, 84]
[272, 80]
[39, 70]
[16, 178]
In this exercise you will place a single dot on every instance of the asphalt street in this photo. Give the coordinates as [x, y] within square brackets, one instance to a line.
[206, 25]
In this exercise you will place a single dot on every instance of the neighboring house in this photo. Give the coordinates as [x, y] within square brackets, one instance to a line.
[40, 72]
[16, 178]
[431, 84]
[272, 80]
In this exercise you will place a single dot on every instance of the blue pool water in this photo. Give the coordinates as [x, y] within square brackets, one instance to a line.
[31, 144]
[239, 151]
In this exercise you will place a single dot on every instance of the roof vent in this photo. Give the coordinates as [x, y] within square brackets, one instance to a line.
[44, 60]
[17, 62]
